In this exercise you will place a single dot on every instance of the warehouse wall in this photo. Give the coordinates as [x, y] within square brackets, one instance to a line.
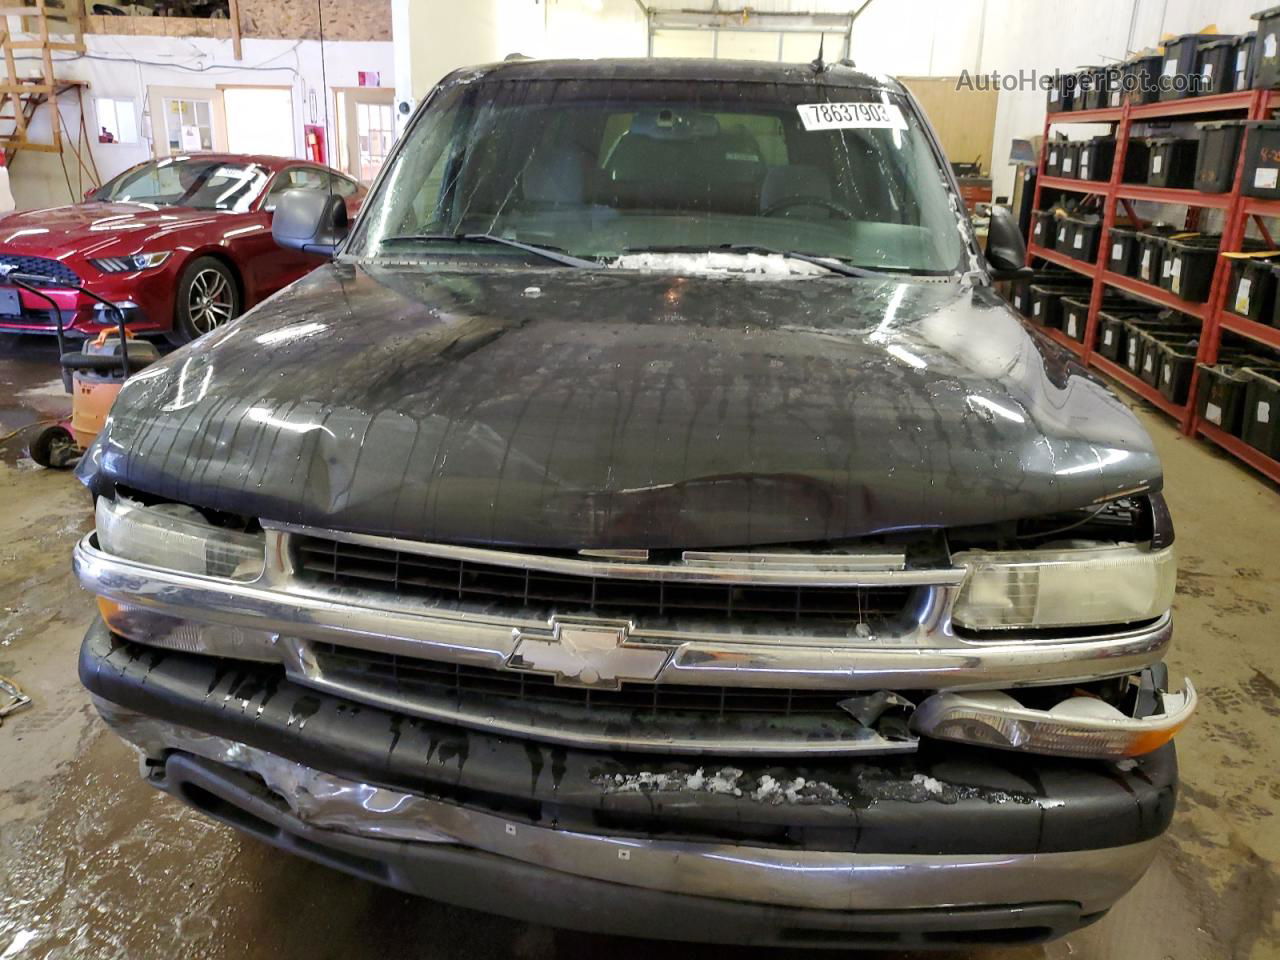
[1021, 35]
[124, 67]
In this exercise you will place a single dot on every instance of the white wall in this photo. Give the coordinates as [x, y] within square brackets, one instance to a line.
[118, 66]
[433, 38]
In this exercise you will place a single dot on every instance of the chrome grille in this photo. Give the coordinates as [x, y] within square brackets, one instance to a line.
[42, 266]
[543, 592]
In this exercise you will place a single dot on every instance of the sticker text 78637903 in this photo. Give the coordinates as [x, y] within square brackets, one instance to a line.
[846, 116]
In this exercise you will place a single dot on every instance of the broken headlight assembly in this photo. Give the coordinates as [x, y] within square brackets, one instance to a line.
[1078, 726]
[1066, 587]
[177, 537]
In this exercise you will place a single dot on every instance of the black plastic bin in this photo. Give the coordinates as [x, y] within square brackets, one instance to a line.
[1111, 325]
[1046, 301]
[1062, 92]
[1261, 422]
[1251, 290]
[1155, 346]
[1020, 296]
[1175, 363]
[1137, 157]
[1261, 147]
[1215, 62]
[1242, 66]
[1216, 157]
[1266, 50]
[1043, 231]
[1139, 330]
[1178, 77]
[1070, 162]
[1220, 393]
[1151, 241]
[1172, 162]
[1191, 262]
[1094, 158]
[1053, 158]
[1075, 316]
[1082, 234]
[1140, 79]
[1124, 251]
[1103, 82]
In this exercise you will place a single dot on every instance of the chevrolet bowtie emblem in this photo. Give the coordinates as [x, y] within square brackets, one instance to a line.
[587, 653]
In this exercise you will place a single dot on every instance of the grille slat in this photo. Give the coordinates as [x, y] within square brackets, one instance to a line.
[454, 683]
[44, 266]
[540, 593]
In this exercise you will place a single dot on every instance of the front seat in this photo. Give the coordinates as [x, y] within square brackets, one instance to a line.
[796, 180]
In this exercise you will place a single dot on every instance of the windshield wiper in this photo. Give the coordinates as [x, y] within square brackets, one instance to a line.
[832, 264]
[548, 253]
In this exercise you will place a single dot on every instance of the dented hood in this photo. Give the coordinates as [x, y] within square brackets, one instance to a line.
[562, 408]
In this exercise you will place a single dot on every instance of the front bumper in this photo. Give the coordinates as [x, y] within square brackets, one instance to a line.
[944, 846]
[146, 308]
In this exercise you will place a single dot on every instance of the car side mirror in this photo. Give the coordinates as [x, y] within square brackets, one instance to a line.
[1006, 249]
[310, 221]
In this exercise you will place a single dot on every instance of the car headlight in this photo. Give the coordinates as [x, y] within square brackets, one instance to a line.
[1081, 587]
[177, 537]
[134, 261]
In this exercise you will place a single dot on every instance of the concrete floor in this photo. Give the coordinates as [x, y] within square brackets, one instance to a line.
[94, 864]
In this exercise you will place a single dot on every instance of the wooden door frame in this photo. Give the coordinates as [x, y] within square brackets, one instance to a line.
[156, 96]
[344, 101]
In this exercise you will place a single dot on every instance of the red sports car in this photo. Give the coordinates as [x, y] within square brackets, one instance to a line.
[182, 244]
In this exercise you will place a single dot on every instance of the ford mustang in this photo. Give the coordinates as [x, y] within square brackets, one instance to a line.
[183, 244]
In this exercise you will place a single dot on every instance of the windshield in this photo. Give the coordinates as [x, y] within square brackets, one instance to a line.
[189, 182]
[598, 169]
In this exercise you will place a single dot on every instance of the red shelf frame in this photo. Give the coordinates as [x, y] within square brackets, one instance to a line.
[1250, 328]
[1135, 384]
[1213, 314]
[1240, 450]
[1061, 259]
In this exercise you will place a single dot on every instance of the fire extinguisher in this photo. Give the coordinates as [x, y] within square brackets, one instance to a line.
[315, 142]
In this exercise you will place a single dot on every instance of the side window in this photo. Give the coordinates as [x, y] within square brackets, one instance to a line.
[298, 178]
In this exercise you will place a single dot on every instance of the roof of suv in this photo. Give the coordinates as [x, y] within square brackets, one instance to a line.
[663, 68]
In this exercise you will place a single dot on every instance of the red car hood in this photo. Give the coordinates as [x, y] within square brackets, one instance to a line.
[92, 229]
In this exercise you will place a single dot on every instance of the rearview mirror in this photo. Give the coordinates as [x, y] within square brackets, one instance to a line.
[310, 221]
[1006, 249]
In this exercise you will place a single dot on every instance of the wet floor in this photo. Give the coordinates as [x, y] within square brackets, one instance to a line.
[93, 864]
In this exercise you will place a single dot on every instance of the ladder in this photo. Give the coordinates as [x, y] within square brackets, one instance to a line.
[21, 96]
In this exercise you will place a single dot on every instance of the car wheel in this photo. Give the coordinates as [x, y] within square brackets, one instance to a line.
[207, 297]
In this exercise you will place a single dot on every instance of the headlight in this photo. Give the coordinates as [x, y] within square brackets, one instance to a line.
[134, 261]
[177, 537]
[1076, 727]
[1064, 588]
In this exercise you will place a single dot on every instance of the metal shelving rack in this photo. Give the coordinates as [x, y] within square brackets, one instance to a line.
[1214, 317]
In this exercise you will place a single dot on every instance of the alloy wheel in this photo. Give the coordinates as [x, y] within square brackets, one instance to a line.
[210, 300]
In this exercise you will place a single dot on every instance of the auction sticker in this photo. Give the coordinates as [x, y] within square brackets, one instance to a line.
[851, 116]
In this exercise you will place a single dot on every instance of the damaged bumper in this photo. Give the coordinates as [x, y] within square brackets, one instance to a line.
[946, 845]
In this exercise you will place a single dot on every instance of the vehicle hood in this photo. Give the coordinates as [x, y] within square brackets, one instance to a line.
[572, 409]
[96, 229]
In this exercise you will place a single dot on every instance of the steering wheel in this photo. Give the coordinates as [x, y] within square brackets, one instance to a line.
[786, 203]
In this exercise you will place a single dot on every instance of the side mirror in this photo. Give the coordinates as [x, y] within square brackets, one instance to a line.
[1006, 248]
[310, 221]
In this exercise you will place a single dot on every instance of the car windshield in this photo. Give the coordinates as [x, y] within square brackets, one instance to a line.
[602, 168]
[199, 182]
